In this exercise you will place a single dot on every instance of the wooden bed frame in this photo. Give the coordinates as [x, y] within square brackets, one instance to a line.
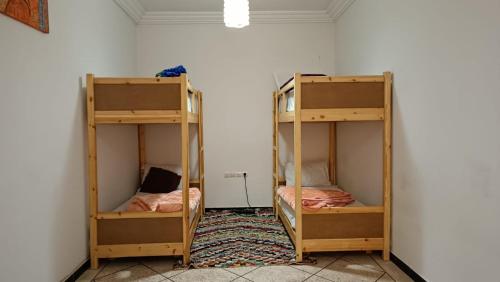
[143, 101]
[335, 99]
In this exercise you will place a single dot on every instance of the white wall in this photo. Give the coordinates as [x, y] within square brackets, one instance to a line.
[234, 69]
[43, 208]
[359, 160]
[446, 64]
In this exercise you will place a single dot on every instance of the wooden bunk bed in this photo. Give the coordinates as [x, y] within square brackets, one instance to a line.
[331, 100]
[143, 101]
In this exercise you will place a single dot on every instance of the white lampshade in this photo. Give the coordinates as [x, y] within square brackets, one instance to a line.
[236, 13]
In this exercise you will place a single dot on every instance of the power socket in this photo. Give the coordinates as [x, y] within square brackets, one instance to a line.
[235, 174]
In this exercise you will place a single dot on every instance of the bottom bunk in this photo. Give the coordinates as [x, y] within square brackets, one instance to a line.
[353, 227]
[128, 232]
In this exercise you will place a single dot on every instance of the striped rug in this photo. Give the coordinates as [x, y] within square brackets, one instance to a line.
[230, 238]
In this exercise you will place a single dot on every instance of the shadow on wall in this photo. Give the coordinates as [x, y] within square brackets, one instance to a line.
[72, 197]
[406, 197]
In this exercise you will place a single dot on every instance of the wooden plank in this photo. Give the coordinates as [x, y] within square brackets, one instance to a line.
[342, 225]
[332, 152]
[121, 215]
[194, 224]
[141, 136]
[329, 79]
[142, 230]
[363, 209]
[286, 223]
[140, 113]
[138, 97]
[297, 126]
[288, 86]
[276, 151]
[193, 118]
[92, 171]
[342, 95]
[139, 250]
[185, 169]
[354, 114]
[137, 80]
[286, 117]
[201, 153]
[387, 167]
[332, 245]
[137, 117]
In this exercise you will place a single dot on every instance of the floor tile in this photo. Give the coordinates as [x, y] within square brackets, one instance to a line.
[138, 273]
[392, 269]
[362, 259]
[278, 274]
[241, 279]
[87, 276]
[115, 266]
[241, 270]
[316, 278]
[322, 261]
[208, 275]
[342, 270]
[164, 266]
[385, 278]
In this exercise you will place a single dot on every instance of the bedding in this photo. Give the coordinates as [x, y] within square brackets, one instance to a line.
[290, 101]
[315, 199]
[160, 180]
[124, 205]
[314, 174]
[171, 167]
[289, 212]
[164, 202]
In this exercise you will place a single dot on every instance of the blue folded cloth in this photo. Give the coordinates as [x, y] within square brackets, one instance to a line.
[175, 71]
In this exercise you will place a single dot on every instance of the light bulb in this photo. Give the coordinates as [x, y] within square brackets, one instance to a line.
[236, 13]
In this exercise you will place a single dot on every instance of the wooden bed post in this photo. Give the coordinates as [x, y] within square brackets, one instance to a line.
[141, 134]
[185, 169]
[332, 151]
[297, 137]
[92, 163]
[201, 152]
[276, 152]
[387, 163]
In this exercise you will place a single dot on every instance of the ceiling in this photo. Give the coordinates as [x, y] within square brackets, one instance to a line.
[217, 5]
[154, 12]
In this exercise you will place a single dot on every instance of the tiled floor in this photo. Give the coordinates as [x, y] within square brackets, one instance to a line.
[337, 267]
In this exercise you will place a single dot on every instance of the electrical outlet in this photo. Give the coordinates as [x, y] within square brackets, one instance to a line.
[234, 174]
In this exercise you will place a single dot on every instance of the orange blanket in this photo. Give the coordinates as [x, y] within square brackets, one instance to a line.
[314, 199]
[168, 202]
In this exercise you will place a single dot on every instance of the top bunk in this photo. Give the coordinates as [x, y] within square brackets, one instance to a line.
[323, 98]
[134, 100]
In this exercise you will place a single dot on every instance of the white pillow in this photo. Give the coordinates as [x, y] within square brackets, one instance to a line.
[313, 174]
[173, 168]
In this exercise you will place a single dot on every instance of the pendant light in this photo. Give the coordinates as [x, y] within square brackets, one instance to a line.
[236, 13]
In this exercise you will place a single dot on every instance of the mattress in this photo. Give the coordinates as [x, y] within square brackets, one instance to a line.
[289, 212]
[124, 205]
